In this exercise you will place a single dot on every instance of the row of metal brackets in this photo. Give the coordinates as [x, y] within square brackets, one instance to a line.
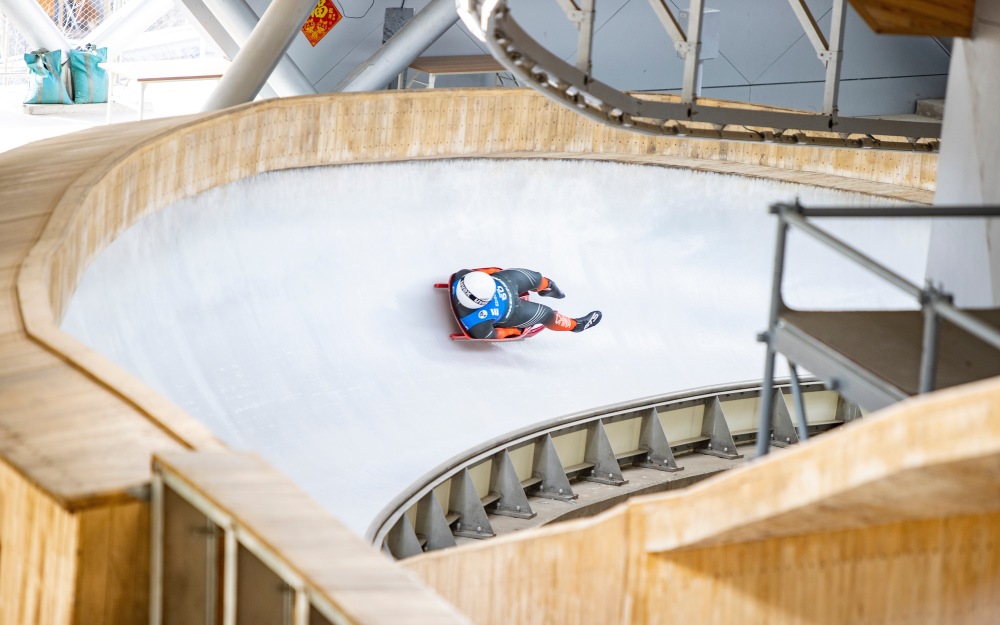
[575, 87]
[468, 514]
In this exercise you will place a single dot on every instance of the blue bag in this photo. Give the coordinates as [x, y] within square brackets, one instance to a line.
[90, 82]
[46, 86]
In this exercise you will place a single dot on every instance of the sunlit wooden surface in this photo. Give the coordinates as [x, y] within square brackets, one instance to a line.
[891, 519]
[77, 432]
[938, 18]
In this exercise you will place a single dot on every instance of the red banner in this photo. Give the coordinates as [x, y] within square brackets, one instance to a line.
[324, 17]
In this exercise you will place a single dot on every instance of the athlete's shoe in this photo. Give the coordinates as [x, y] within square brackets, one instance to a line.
[587, 321]
[552, 291]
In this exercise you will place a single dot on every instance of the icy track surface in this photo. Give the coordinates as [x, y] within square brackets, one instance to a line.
[294, 314]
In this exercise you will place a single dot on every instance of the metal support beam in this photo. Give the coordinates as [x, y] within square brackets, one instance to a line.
[653, 439]
[692, 51]
[767, 399]
[585, 37]
[212, 30]
[555, 484]
[464, 501]
[800, 402]
[505, 484]
[781, 419]
[128, 24]
[599, 452]
[669, 22]
[402, 539]
[35, 24]
[402, 48]
[928, 353]
[234, 20]
[716, 428]
[261, 53]
[432, 525]
[834, 56]
[810, 26]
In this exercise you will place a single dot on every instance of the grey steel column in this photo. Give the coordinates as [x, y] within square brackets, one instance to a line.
[800, 403]
[35, 24]
[128, 24]
[928, 353]
[261, 53]
[212, 30]
[767, 386]
[835, 56]
[693, 52]
[238, 22]
[585, 37]
[406, 45]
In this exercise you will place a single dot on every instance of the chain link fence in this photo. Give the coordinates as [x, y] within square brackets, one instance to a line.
[170, 37]
[12, 49]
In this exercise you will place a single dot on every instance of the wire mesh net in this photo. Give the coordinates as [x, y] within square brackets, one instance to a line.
[172, 36]
[12, 48]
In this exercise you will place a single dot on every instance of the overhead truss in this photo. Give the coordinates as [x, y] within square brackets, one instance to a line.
[687, 114]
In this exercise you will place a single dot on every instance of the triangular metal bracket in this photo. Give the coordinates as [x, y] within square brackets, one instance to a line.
[715, 427]
[606, 469]
[464, 501]
[547, 467]
[432, 525]
[505, 484]
[402, 541]
[783, 432]
[653, 439]
[846, 411]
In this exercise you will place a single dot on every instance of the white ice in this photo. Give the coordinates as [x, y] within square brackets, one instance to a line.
[293, 313]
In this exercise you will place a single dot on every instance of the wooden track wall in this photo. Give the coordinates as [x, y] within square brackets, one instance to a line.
[302, 132]
[893, 519]
[113, 582]
[38, 540]
[77, 431]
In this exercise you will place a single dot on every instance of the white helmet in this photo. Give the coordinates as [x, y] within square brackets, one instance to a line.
[475, 289]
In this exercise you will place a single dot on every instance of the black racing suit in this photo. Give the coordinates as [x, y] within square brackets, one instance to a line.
[520, 314]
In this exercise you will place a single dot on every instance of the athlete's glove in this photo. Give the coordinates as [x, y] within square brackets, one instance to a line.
[503, 333]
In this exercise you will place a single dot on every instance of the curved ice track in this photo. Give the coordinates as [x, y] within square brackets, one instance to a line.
[293, 312]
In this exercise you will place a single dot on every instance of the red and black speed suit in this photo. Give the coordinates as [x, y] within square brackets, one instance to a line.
[518, 313]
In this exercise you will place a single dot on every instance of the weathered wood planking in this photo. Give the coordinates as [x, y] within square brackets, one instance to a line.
[895, 518]
[113, 582]
[37, 544]
[571, 573]
[935, 571]
[336, 563]
[78, 431]
[937, 18]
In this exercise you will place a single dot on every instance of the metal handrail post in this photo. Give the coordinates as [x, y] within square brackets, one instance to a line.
[767, 386]
[929, 347]
[800, 403]
[928, 352]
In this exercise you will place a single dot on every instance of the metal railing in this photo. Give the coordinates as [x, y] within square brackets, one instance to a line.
[546, 474]
[934, 302]
[576, 88]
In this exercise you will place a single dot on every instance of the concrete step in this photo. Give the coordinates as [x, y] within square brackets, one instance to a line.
[931, 108]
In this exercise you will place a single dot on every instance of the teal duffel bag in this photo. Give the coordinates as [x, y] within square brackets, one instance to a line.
[90, 82]
[46, 86]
